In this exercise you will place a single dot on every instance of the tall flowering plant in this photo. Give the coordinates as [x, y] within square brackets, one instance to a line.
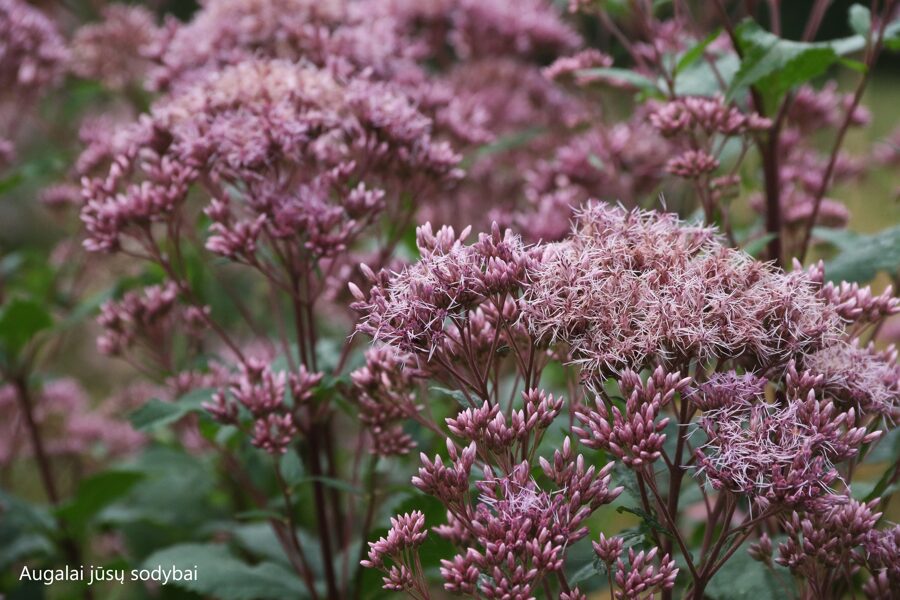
[490, 299]
[688, 365]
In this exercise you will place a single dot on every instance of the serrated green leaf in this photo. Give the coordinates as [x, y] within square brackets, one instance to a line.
[506, 143]
[26, 530]
[774, 65]
[260, 540]
[588, 571]
[701, 79]
[223, 576]
[842, 239]
[867, 255]
[20, 547]
[172, 478]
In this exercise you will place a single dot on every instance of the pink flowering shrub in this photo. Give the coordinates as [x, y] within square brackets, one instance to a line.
[476, 298]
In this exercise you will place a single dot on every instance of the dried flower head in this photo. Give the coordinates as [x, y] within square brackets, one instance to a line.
[784, 455]
[862, 378]
[630, 288]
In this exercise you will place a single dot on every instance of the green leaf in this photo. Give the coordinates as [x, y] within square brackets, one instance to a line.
[754, 247]
[774, 65]
[868, 255]
[885, 450]
[338, 484]
[842, 239]
[701, 79]
[291, 468]
[892, 36]
[172, 478]
[860, 20]
[97, 492]
[11, 181]
[223, 576]
[695, 52]
[25, 529]
[156, 413]
[882, 487]
[457, 395]
[630, 78]
[648, 519]
[506, 143]
[744, 578]
[260, 541]
[588, 571]
[20, 320]
[20, 547]
[859, 67]
[259, 515]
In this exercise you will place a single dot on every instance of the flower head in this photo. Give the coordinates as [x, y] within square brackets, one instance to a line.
[116, 50]
[784, 455]
[33, 52]
[630, 288]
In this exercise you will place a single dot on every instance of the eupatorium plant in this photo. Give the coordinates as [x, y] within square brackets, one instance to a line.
[477, 298]
[746, 398]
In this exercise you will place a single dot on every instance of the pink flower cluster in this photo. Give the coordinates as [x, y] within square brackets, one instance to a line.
[406, 534]
[275, 421]
[146, 317]
[412, 310]
[33, 52]
[314, 157]
[32, 58]
[630, 288]
[779, 394]
[516, 533]
[640, 577]
[634, 437]
[778, 455]
[118, 50]
[384, 391]
[70, 425]
[623, 162]
[708, 116]
[827, 544]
